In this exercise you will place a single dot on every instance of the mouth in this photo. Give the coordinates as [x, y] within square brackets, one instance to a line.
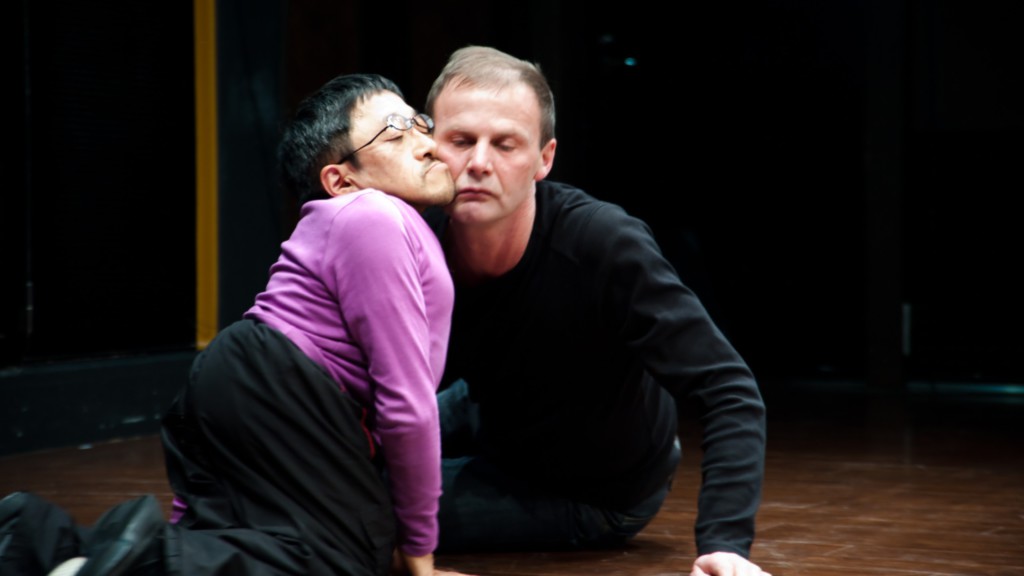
[435, 164]
[470, 193]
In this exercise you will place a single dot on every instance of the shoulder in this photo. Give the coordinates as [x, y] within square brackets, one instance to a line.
[361, 221]
[567, 212]
[365, 209]
[369, 202]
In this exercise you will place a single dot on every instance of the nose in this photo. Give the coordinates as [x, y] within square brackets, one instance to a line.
[479, 158]
[425, 146]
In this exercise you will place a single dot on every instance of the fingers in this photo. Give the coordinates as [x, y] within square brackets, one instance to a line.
[725, 564]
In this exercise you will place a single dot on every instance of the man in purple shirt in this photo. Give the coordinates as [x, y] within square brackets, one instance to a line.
[307, 439]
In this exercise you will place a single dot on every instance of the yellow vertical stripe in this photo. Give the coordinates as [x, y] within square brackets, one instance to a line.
[205, 31]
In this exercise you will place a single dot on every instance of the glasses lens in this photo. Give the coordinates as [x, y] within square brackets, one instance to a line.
[423, 123]
[399, 122]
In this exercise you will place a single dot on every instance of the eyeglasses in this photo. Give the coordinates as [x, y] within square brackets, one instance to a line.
[421, 122]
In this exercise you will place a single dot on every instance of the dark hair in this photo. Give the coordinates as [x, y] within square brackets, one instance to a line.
[318, 134]
[486, 67]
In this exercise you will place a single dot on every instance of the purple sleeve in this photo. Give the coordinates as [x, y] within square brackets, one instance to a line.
[374, 262]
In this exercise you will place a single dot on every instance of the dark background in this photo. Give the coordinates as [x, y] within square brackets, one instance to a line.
[837, 180]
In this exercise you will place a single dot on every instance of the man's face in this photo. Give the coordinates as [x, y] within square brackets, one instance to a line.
[402, 163]
[491, 142]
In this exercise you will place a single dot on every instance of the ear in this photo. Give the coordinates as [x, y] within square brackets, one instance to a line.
[337, 179]
[547, 160]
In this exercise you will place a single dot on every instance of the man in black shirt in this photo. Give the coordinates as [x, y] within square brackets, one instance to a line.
[574, 347]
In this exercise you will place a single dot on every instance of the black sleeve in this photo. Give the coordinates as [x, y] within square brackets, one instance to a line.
[664, 324]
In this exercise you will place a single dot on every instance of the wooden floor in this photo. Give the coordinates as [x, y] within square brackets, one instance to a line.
[856, 484]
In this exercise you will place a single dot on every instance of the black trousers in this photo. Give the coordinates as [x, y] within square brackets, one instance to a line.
[275, 464]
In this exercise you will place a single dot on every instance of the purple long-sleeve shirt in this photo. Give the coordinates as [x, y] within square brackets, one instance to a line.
[362, 288]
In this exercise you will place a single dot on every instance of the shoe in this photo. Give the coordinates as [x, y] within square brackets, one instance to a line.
[124, 534]
[35, 535]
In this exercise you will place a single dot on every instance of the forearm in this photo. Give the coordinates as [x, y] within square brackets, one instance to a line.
[732, 471]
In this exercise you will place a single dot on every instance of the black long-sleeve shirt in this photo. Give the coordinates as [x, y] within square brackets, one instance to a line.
[570, 355]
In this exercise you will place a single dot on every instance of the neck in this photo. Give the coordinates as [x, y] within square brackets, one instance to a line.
[480, 252]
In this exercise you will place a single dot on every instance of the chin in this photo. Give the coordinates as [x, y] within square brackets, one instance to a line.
[468, 212]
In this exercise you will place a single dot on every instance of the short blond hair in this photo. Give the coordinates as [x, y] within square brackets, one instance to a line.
[487, 67]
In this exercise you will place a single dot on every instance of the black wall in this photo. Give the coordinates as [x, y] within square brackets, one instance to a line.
[99, 194]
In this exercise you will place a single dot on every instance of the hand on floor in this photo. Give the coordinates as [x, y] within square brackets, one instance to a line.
[725, 564]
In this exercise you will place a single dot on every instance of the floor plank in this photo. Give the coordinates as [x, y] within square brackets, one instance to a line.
[934, 488]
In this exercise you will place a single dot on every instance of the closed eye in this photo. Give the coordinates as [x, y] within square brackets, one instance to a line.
[506, 144]
[460, 142]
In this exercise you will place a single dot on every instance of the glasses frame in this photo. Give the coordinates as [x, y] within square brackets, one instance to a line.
[421, 122]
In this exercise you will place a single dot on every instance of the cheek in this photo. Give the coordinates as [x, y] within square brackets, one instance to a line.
[522, 169]
[453, 158]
